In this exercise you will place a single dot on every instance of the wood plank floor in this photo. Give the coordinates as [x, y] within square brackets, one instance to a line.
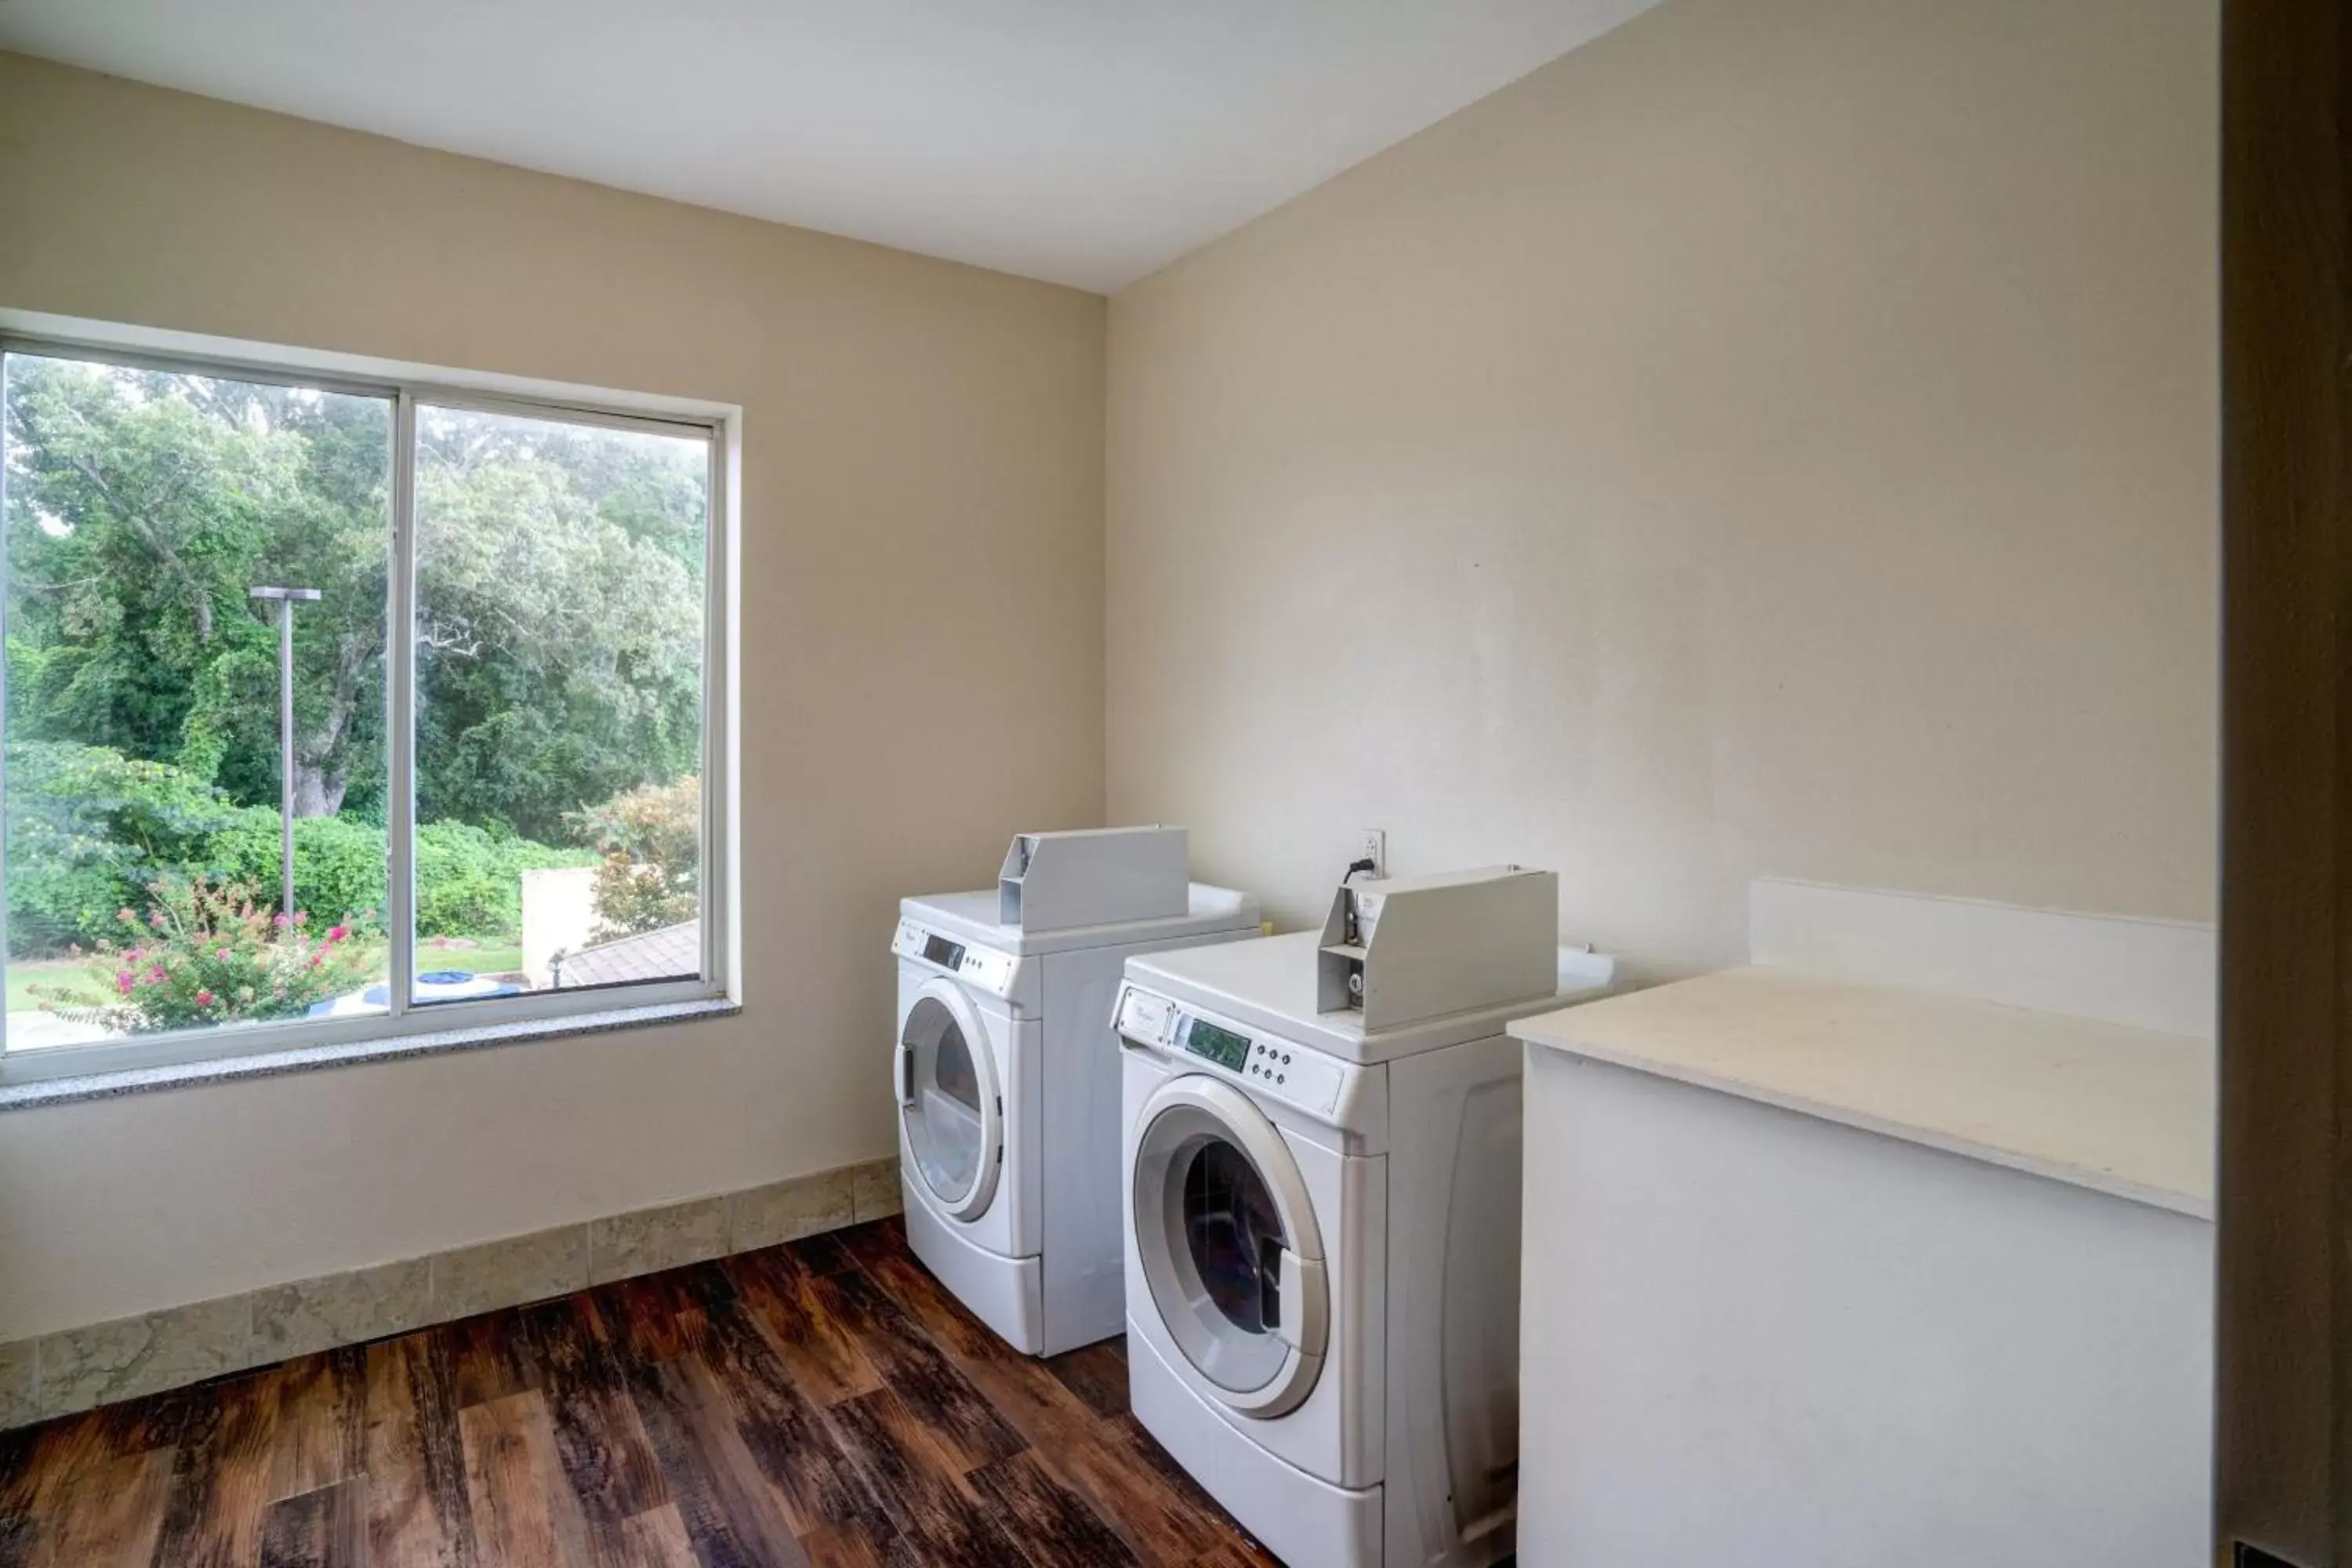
[823, 1403]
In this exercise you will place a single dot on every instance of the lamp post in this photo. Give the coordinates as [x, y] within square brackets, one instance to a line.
[284, 600]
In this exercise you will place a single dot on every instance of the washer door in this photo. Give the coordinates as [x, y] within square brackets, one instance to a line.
[950, 1108]
[1229, 1244]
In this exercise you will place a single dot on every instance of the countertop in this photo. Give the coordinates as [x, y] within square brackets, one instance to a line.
[2125, 1112]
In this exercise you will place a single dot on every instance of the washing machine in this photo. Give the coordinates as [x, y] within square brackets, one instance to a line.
[1007, 1072]
[1322, 1240]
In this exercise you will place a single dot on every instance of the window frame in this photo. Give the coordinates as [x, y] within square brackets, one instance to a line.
[531, 1014]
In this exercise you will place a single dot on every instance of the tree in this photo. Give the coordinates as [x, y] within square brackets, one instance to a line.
[651, 839]
[142, 508]
[559, 610]
[559, 582]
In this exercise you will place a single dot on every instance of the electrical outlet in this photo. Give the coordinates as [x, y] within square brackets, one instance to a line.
[1372, 844]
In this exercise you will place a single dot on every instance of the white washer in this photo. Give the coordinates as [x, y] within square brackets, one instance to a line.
[1322, 1253]
[1007, 1078]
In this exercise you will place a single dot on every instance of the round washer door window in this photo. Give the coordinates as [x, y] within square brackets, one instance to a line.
[948, 1100]
[1229, 1245]
[1233, 1238]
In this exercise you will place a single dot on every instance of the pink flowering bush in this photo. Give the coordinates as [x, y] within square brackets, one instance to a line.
[204, 954]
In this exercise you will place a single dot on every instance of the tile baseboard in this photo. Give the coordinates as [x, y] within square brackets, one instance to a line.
[73, 1370]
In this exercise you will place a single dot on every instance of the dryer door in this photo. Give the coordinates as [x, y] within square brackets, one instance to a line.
[950, 1107]
[1228, 1239]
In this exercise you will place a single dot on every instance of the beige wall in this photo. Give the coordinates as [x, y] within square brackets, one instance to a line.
[921, 502]
[1777, 437]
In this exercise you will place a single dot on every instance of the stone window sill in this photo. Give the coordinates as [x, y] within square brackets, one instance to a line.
[115, 1082]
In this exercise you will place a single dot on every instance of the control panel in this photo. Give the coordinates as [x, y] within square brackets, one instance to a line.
[981, 967]
[1266, 1064]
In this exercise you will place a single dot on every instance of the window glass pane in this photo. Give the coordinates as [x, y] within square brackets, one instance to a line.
[143, 735]
[559, 627]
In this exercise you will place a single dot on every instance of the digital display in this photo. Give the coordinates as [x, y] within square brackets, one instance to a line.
[947, 954]
[1222, 1047]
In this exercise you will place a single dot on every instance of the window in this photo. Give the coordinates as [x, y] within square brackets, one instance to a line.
[335, 709]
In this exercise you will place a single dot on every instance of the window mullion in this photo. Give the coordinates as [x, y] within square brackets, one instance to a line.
[400, 819]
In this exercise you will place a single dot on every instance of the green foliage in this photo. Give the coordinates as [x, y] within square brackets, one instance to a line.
[339, 864]
[560, 586]
[142, 506]
[88, 829]
[559, 607]
[207, 954]
[559, 582]
[469, 881]
[651, 839]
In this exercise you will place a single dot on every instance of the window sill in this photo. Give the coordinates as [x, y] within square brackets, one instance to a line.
[116, 1082]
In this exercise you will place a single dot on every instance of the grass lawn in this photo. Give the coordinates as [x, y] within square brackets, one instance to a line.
[23, 977]
[482, 955]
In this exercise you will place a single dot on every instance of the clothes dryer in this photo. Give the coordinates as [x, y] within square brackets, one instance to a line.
[1007, 1078]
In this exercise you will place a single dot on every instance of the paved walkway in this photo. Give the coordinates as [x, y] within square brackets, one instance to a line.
[32, 1030]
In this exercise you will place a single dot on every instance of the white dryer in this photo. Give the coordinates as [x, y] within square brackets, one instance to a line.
[1322, 1252]
[1006, 1075]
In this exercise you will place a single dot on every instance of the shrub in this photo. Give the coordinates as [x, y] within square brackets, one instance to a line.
[337, 864]
[651, 839]
[207, 954]
[51, 905]
[469, 879]
[89, 828]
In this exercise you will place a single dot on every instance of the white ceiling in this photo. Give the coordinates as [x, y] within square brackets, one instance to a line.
[1085, 142]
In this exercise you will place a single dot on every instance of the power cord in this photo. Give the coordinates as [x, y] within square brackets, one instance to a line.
[1349, 927]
